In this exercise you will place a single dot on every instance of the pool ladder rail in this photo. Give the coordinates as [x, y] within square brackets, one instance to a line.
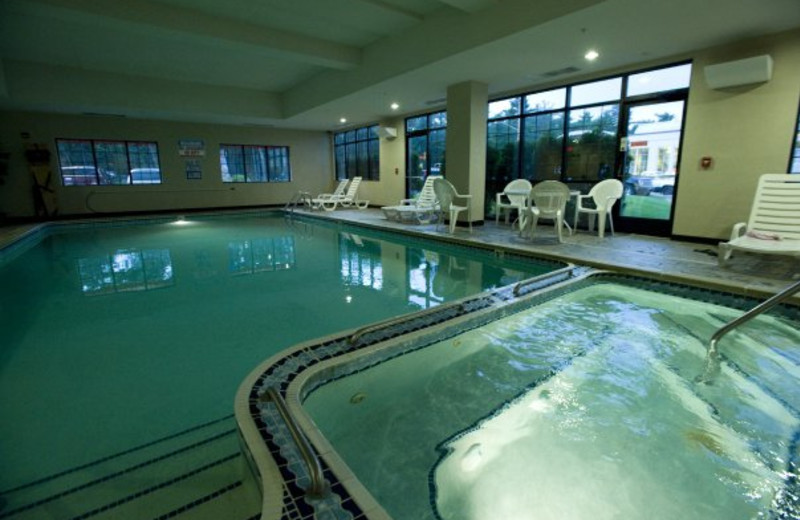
[319, 488]
[299, 198]
[712, 355]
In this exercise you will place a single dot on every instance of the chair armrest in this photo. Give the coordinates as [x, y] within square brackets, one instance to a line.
[460, 196]
[407, 202]
[739, 229]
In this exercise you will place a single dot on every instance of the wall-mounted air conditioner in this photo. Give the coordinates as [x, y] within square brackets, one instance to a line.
[757, 69]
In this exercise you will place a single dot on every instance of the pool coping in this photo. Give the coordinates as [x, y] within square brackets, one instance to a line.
[301, 380]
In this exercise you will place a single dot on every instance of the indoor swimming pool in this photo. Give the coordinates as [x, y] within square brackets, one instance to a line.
[124, 344]
[581, 403]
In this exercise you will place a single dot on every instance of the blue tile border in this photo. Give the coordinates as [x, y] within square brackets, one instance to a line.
[285, 369]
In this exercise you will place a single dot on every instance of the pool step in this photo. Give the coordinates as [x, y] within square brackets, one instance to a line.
[190, 475]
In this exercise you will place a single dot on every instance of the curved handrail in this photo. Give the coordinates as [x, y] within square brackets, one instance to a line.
[319, 487]
[519, 285]
[712, 365]
[381, 324]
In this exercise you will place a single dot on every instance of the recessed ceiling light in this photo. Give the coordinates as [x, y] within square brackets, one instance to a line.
[394, 106]
[343, 120]
[591, 55]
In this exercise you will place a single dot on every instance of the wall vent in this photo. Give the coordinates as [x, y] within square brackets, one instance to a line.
[560, 72]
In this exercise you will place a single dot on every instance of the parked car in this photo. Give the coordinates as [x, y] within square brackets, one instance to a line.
[645, 184]
[146, 176]
[78, 175]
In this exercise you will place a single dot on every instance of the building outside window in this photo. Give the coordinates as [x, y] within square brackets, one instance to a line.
[89, 162]
[254, 163]
[357, 153]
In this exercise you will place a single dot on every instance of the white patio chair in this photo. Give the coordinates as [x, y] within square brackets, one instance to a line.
[350, 198]
[548, 200]
[603, 194]
[513, 197]
[447, 194]
[421, 209]
[774, 224]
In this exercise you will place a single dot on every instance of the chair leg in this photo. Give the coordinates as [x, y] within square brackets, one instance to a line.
[453, 217]
[611, 223]
[559, 226]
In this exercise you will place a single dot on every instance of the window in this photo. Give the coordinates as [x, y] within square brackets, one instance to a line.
[426, 137]
[87, 162]
[357, 153]
[571, 133]
[253, 163]
[794, 161]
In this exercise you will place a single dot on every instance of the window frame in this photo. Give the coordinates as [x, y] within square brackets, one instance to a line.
[350, 144]
[794, 148]
[99, 178]
[266, 160]
[436, 126]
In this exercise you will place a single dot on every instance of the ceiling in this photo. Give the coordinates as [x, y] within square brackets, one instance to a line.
[308, 63]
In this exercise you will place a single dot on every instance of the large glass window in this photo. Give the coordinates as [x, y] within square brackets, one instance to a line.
[89, 162]
[571, 133]
[357, 153]
[426, 137]
[254, 163]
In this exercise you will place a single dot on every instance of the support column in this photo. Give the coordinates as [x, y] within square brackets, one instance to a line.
[466, 142]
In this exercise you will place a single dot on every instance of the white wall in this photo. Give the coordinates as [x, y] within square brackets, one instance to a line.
[310, 157]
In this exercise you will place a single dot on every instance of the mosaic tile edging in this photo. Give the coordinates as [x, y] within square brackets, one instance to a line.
[281, 370]
[582, 277]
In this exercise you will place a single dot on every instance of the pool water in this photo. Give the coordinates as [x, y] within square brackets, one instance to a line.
[582, 407]
[117, 336]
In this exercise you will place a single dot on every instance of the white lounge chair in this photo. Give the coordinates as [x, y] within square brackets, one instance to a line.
[447, 194]
[604, 194]
[421, 209]
[337, 193]
[548, 200]
[774, 224]
[513, 197]
[350, 198]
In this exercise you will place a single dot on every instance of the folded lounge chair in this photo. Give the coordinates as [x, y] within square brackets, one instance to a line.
[350, 198]
[420, 210]
[774, 224]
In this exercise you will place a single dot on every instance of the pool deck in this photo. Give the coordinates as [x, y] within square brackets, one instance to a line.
[664, 258]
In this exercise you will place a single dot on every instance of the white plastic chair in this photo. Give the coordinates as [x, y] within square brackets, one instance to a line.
[604, 194]
[348, 199]
[513, 197]
[774, 223]
[548, 200]
[447, 194]
[421, 209]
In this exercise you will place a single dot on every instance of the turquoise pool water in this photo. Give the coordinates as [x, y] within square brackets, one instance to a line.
[116, 336]
[580, 407]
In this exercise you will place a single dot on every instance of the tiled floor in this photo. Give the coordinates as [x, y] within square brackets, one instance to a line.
[663, 257]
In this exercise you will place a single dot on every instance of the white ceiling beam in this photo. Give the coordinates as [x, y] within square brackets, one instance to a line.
[394, 9]
[468, 6]
[157, 16]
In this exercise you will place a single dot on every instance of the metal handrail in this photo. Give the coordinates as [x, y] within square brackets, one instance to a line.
[712, 367]
[375, 326]
[519, 285]
[319, 486]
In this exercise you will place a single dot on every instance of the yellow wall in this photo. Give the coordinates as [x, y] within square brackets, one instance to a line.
[310, 156]
[747, 131]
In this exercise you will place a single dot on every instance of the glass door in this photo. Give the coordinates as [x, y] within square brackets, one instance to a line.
[651, 146]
